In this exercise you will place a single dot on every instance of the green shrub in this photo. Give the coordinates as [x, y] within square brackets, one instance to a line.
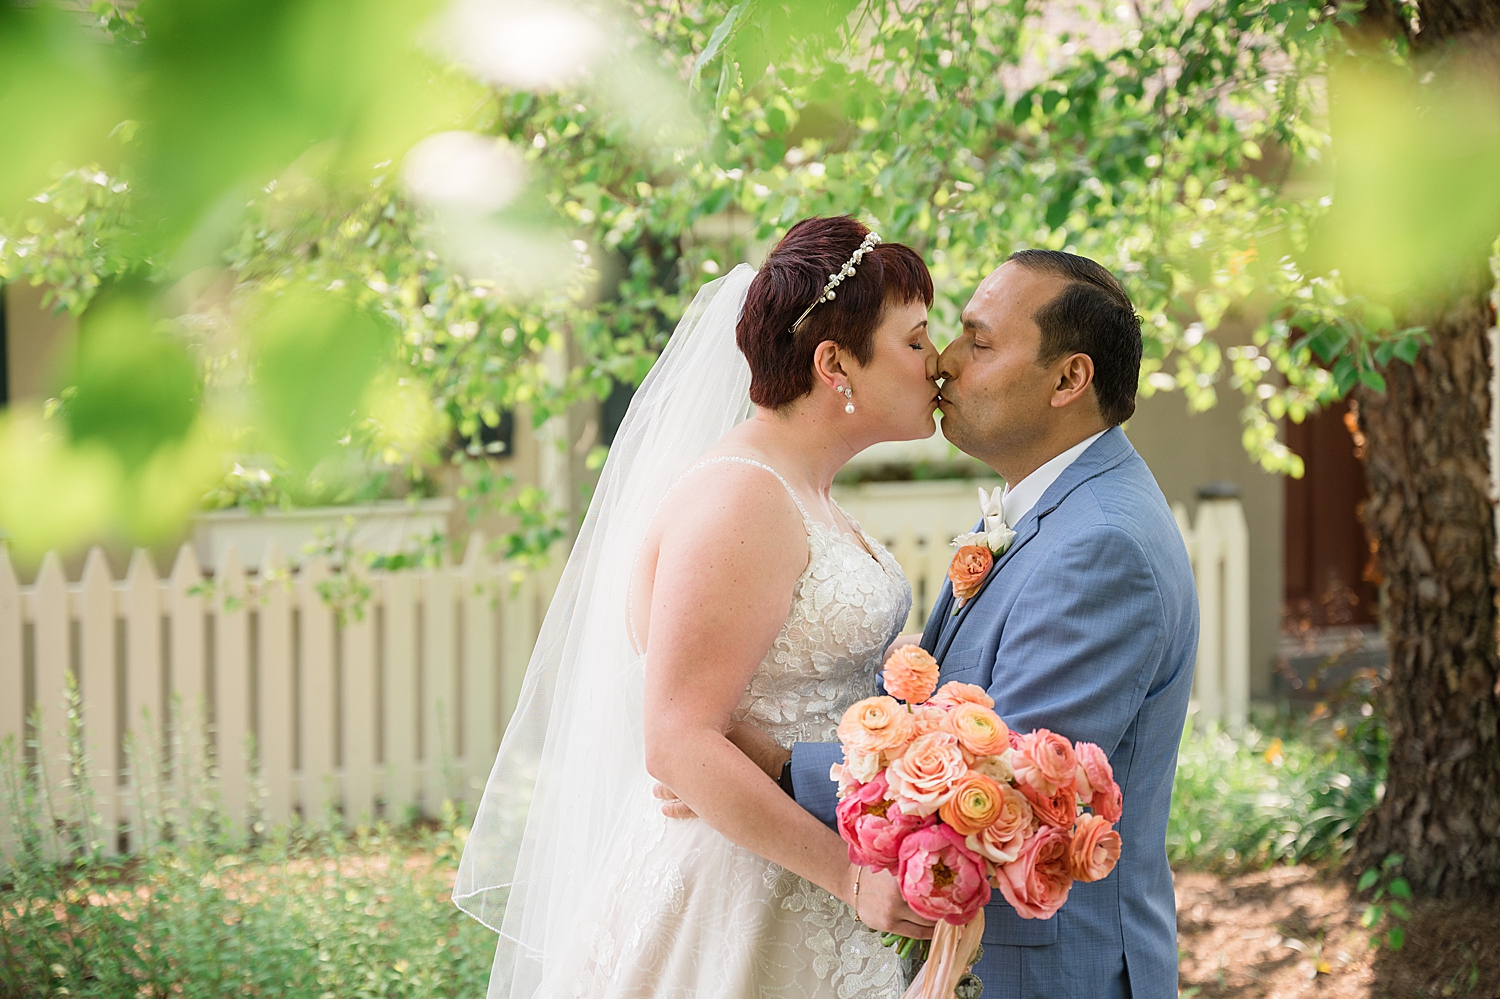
[1281, 790]
[308, 911]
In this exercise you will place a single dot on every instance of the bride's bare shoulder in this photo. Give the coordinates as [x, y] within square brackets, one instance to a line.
[728, 498]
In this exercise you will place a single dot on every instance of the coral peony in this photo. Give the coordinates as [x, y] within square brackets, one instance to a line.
[1036, 883]
[975, 803]
[874, 826]
[1000, 842]
[1094, 772]
[924, 777]
[954, 692]
[940, 878]
[968, 569]
[1095, 848]
[911, 674]
[1046, 761]
[979, 729]
[1109, 804]
[875, 725]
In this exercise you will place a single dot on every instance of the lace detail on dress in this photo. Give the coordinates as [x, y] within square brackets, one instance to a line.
[691, 915]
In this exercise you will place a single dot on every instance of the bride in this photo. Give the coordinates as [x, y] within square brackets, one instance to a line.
[715, 580]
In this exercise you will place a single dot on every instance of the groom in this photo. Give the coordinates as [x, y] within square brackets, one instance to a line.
[1086, 625]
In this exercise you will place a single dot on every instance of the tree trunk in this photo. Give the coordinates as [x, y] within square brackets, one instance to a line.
[1431, 515]
[1427, 460]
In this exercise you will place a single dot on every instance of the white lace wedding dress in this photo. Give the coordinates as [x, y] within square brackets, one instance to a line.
[678, 889]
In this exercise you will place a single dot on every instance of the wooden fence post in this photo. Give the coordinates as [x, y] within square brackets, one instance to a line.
[99, 693]
[145, 715]
[275, 673]
[234, 693]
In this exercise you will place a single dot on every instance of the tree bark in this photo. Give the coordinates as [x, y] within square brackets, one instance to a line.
[1430, 514]
[1432, 518]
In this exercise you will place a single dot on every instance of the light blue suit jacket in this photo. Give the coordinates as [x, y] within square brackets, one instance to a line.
[1088, 626]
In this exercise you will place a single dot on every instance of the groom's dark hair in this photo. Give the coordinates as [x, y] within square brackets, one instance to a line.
[1092, 315]
[792, 278]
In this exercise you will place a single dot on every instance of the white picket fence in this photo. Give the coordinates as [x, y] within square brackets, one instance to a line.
[1218, 544]
[400, 707]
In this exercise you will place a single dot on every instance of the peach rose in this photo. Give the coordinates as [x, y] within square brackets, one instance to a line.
[1046, 761]
[929, 718]
[925, 775]
[1036, 883]
[1001, 841]
[1096, 781]
[979, 730]
[875, 725]
[953, 693]
[1095, 848]
[1059, 809]
[975, 804]
[911, 674]
[968, 569]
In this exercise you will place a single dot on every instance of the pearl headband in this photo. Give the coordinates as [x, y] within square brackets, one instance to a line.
[834, 280]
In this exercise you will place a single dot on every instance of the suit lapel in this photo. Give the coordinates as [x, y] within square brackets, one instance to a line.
[1105, 453]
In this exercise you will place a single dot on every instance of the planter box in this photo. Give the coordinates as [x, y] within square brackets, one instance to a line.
[385, 528]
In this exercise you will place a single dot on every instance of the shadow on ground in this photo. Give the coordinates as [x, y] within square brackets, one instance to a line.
[1294, 933]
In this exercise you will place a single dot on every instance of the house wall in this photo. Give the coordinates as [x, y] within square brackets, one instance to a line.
[36, 342]
[1186, 451]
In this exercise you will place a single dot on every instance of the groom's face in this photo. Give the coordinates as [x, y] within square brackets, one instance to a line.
[996, 397]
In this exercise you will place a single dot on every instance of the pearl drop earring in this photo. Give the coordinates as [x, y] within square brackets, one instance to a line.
[848, 394]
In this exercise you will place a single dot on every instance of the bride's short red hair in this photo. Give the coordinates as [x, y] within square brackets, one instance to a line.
[793, 277]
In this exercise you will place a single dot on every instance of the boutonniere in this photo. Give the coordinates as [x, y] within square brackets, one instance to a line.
[977, 550]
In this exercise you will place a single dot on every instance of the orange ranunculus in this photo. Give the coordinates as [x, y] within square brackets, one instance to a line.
[979, 730]
[1001, 841]
[975, 804]
[1057, 809]
[968, 569]
[911, 674]
[1095, 848]
[955, 692]
[875, 725]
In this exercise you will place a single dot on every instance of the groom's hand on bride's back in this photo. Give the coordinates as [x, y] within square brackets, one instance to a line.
[762, 750]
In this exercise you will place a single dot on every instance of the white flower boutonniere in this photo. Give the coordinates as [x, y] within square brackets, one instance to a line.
[977, 550]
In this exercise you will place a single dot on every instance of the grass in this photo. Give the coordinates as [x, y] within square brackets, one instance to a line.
[315, 911]
[1283, 790]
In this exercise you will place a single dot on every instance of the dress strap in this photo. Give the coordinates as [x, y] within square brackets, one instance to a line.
[758, 464]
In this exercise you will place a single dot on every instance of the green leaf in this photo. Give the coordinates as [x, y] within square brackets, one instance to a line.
[715, 43]
[1408, 349]
[1368, 878]
[1401, 889]
[1372, 380]
[1372, 915]
[1396, 938]
[1394, 860]
[1400, 911]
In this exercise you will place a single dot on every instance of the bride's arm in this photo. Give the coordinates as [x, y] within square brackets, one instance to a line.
[727, 563]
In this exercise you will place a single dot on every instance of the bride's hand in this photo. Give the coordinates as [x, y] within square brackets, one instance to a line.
[902, 641]
[881, 907]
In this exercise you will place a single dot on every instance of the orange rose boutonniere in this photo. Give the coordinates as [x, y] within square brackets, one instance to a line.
[977, 550]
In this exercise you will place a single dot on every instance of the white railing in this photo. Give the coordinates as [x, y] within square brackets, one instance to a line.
[1218, 544]
[401, 705]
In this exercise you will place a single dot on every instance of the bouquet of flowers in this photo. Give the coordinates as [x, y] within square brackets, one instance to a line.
[941, 793]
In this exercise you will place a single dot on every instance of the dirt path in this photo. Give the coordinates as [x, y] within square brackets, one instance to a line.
[1294, 933]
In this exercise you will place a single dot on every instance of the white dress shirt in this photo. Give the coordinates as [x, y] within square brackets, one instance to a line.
[1018, 499]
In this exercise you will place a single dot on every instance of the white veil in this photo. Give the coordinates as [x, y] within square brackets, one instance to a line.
[573, 756]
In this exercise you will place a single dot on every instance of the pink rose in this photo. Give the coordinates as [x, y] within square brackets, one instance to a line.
[928, 718]
[980, 731]
[953, 693]
[940, 878]
[874, 725]
[924, 777]
[1046, 761]
[874, 826]
[1036, 883]
[1095, 780]
[911, 674]
[1095, 848]
[1057, 809]
[1000, 842]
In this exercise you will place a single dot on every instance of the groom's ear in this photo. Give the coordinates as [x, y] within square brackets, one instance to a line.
[1074, 380]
